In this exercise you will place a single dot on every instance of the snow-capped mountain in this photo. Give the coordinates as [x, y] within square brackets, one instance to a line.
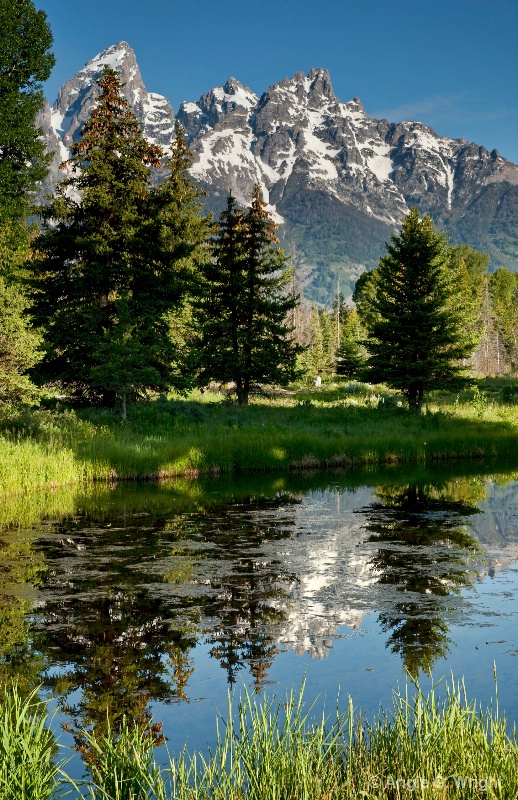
[63, 122]
[339, 180]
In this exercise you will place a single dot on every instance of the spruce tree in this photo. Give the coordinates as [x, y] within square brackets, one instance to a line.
[112, 260]
[245, 303]
[178, 225]
[415, 323]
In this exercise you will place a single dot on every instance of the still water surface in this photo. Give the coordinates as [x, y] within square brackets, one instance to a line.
[154, 600]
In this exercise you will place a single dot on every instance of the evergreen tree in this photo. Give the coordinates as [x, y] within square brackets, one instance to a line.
[25, 61]
[416, 322]
[19, 347]
[501, 322]
[242, 313]
[363, 298]
[318, 357]
[350, 355]
[114, 258]
[186, 233]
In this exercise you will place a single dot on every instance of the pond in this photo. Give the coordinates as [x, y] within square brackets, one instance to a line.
[151, 601]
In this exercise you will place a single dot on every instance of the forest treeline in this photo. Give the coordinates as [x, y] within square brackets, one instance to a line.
[125, 287]
[335, 338]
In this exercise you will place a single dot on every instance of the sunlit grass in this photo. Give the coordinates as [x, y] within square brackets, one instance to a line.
[27, 747]
[429, 745]
[335, 427]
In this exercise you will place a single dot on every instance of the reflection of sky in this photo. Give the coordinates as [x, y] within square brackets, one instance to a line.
[358, 664]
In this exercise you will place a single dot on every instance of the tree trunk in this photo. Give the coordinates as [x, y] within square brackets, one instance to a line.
[419, 403]
[242, 392]
[124, 414]
[415, 399]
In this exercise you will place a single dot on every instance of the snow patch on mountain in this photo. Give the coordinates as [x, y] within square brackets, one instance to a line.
[378, 160]
[239, 95]
[112, 57]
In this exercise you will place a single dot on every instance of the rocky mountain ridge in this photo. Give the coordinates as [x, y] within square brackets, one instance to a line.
[338, 180]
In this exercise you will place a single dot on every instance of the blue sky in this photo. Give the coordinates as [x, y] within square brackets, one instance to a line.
[452, 64]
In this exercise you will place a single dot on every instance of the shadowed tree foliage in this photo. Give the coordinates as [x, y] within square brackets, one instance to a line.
[25, 61]
[243, 310]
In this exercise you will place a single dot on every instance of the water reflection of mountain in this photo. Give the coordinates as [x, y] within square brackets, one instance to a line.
[126, 594]
[497, 526]
[333, 572]
[343, 575]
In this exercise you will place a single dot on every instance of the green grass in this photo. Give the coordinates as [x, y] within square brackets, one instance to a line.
[27, 747]
[335, 427]
[428, 745]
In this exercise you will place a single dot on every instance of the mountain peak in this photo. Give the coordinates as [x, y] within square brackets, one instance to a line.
[79, 94]
[234, 91]
[321, 84]
[114, 56]
[339, 178]
[232, 86]
[355, 107]
[319, 72]
[316, 85]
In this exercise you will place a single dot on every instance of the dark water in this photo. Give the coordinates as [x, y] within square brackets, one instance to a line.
[152, 601]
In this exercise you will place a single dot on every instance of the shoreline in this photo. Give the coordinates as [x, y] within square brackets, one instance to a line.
[197, 437]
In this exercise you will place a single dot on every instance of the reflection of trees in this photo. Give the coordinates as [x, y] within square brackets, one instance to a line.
[20, 571]
[426, 555]
[119, 652]
[124, 605]
[247, 613]
[248, 597]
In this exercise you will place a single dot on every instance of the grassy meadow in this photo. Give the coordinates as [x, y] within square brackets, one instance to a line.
[338, 426]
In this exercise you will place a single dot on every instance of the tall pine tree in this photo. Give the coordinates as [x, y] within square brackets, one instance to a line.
[415, 319]
[113, 259]
[243, 312]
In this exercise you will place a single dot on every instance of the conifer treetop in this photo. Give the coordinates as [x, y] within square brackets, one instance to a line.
[113, 126]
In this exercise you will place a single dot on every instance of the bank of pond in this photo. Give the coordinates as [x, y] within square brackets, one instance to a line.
[337, 427]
